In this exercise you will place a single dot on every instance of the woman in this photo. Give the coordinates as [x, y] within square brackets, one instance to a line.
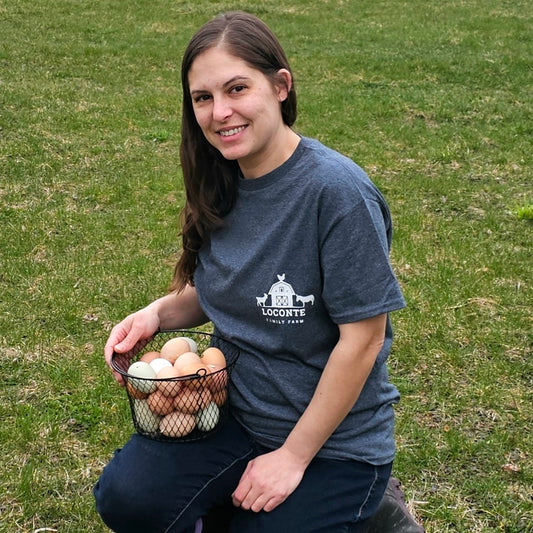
[285, 250]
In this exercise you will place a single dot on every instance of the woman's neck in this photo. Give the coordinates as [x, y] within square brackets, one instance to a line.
[278, 153]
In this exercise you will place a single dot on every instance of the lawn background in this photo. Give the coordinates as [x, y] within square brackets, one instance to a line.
[433, 99]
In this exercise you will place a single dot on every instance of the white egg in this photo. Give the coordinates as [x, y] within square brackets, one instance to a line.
[147, 420]
[207, 418]
[159, 363]
[140, 369]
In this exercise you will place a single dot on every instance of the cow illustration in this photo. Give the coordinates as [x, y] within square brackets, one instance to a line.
[306, 299]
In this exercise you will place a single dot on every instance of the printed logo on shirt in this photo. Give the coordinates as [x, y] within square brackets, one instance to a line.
[281, 305]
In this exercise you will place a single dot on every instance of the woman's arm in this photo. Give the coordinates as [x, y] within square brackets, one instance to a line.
[174, 311]
[269, 479]
[341, 383]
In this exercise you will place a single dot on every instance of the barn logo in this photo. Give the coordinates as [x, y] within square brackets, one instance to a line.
[281, 305]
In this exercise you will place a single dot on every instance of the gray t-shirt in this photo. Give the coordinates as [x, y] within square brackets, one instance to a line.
[305, 248]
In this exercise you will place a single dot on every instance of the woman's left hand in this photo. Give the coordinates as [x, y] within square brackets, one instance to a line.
[268, 480]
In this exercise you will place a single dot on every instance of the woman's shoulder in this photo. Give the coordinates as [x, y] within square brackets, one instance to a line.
[329, 170]
[325, 156]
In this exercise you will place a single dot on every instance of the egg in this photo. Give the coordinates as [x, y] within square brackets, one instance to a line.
[192, 369]
[159, 363]
[146, 420]
[192, 400]
[220, 397]
[198, 373]
[173, 348]
[213, 356]
[207, 419]
[177, 424]
[192, 344]
[143, 370]
[148, 357]
[217, 379]
[187, 358]
[189, 363]
[169, 387]
[160, 404]
[134, 393]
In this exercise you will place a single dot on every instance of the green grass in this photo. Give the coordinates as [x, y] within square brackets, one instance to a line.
[432, 98]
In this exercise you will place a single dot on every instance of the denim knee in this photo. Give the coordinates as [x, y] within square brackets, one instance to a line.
[120, 504]
[151, 486]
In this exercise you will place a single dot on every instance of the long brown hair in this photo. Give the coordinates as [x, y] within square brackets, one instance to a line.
[210, 180]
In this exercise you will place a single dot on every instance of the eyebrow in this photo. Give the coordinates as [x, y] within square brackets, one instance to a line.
[225, 84]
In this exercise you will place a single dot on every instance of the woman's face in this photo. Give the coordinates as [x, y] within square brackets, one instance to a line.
[239, 110]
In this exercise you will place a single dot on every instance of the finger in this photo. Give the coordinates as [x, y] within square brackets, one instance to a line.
[248, 501]
[108, 352]
[243, 488]
[118, 377]
[254, 499]
[241, 492]
[117, 335]
[130, 338]
[259, 503]
[272, 504]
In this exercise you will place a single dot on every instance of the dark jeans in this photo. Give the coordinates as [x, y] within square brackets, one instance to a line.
[152, 487]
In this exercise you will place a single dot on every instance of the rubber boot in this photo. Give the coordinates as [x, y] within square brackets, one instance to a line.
[392, 515]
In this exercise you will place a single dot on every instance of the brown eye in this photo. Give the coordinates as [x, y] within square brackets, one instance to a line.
[201, 98]
[238, 88]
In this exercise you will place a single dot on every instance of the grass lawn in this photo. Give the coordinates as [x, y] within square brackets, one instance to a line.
[433, 99]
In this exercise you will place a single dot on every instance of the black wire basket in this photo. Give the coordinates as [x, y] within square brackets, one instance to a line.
[173, 395]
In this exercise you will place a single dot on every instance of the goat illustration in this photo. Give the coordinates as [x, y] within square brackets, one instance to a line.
[261, 300]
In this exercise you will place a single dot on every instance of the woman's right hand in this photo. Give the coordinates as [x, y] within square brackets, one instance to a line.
[176, 310]
[135, 327]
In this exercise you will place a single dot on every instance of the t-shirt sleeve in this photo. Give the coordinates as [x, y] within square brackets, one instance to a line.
[358, 280]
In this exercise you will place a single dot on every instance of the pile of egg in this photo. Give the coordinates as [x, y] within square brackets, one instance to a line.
[175, 407]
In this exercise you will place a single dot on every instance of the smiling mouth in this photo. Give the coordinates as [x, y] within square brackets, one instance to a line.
[233, 131]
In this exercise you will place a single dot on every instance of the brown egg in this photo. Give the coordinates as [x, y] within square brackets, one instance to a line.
[220, 397]
[173, 348]
[148, 357]
[177, 424]
[192, 400]
[198, 373]
[186, 359]
[191, 369]
[213, 356]
[217, 379]
[135, 393]
[169, 387]
[160, 404]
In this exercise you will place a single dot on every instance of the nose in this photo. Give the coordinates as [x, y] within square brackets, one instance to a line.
[221, 109]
